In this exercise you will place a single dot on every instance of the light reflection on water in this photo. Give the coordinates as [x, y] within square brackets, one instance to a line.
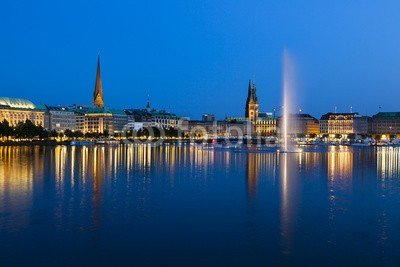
[254, 208]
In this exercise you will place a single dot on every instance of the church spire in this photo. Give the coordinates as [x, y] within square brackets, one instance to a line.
[254, 92]
[98, 99]
[248, 100]
[148, 108]
[251, 110]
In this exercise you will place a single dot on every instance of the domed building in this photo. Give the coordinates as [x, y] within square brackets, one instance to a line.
[16, 110]
[16, 103]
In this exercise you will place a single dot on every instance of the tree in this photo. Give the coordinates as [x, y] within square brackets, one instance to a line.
[338, 136]
[44, 134]
[351, 136]
[5, 129]
[78, 134]
[312, 135]
[68, 133]
[53, 134]
[92, 135]
[26, 129]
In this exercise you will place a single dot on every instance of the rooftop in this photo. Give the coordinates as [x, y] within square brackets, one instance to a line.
[386, 115]
[329, 114]
[16, 103]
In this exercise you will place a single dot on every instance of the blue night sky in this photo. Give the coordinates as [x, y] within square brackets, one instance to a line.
[197, 56]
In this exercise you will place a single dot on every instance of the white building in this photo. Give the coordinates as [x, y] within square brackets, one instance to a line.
[61, 119]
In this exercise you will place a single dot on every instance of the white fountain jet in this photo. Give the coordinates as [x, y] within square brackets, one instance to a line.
[288, 79]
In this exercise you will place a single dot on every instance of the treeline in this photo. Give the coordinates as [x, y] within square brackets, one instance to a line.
[23, 130]
[28, 130]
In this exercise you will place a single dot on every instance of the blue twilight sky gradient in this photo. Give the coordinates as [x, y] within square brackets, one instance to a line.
[196, 56]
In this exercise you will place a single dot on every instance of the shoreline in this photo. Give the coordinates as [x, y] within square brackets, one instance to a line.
[181, 141]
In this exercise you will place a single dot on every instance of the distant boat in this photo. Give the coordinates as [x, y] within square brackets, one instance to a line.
[382, 143]
[362, 142]
[395, 142]
[81, 143]
[107, 142]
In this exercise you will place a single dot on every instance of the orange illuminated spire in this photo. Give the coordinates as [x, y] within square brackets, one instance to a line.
[98, 99]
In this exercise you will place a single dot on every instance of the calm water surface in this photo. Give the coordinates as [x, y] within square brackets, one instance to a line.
[185, 206]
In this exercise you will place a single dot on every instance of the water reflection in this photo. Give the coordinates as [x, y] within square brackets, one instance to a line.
[290, 191]
[252, 172]
[340, 162]
[388, 162]
[284, 199]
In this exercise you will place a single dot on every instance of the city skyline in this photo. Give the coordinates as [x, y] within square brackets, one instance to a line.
[201, 56]
[98, 95]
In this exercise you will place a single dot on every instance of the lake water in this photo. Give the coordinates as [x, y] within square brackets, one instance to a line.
[186, 206]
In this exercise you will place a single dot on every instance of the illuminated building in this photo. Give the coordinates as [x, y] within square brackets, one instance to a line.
[302, 124]
[99, 120]
[265, 124]
[80, 121]
[157, 118]
[337, 123]
[387, 123]
[16, 110]
[61, 119]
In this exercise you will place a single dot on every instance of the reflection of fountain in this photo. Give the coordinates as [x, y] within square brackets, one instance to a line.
[287, 80]
[290, 188]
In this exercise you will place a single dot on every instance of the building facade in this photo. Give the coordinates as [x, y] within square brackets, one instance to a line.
[60, 119]
[265, 124]
[302, 124]
[104, 120]
[387, 123]
[158, 118]
[362, 125]
[16, 110]
[337, 123]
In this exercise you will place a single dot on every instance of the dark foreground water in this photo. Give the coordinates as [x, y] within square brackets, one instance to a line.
[184, 206]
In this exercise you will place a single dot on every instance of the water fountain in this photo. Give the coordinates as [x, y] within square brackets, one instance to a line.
[288, 95]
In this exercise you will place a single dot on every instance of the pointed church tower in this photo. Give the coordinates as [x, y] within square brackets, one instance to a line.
[248, 100]
[98, 99]
[252, 103]
[148, 107]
